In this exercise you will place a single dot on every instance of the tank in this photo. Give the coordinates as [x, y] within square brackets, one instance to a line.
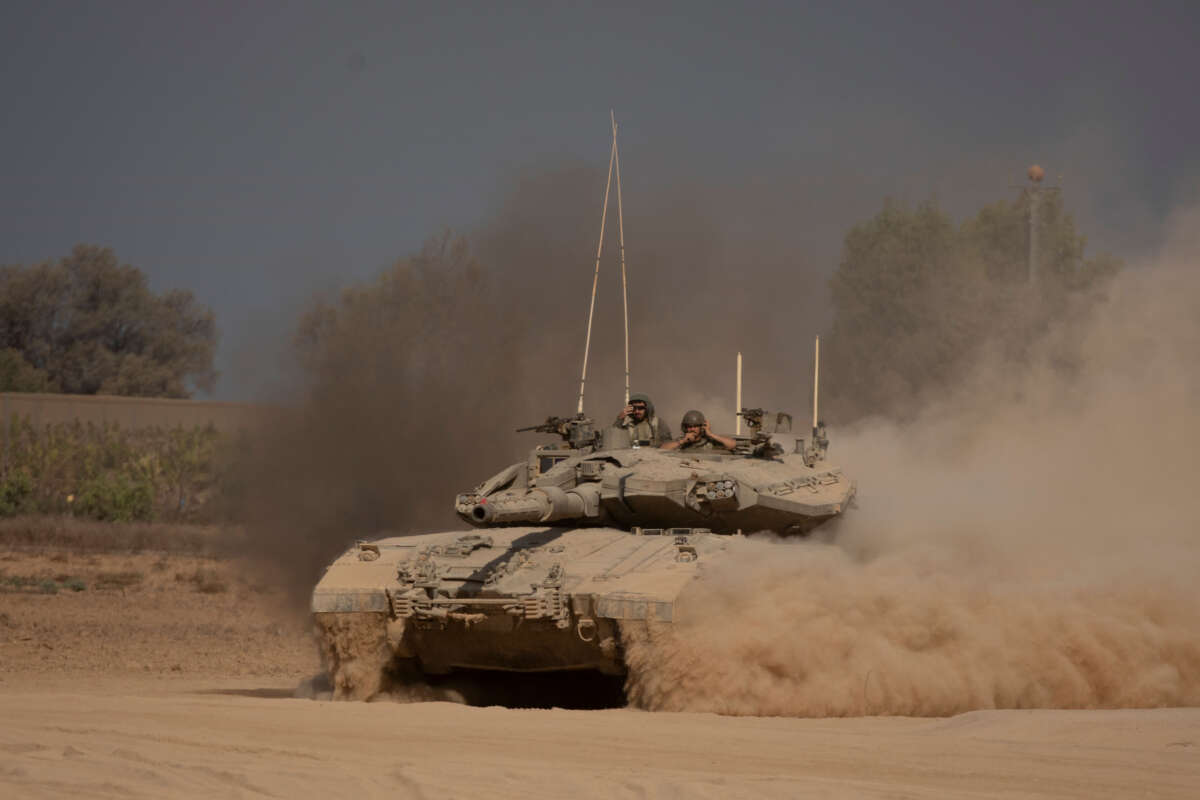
[583, 537]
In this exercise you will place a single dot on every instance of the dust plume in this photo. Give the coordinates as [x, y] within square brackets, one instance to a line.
[393, 394]
[411, 385]
[1031, 541]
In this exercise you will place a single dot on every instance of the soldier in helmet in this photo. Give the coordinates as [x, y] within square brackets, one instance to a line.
[697, 435]
[644, 425]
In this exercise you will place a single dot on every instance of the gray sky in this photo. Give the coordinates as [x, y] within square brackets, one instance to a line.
[254, 152]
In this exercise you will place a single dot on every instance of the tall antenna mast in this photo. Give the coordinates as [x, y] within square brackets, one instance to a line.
[587, 342]
[816, 380]
[1035, 192]
[737, 411]
[621, 240]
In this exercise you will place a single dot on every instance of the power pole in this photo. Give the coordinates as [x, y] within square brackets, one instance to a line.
[1034, 192]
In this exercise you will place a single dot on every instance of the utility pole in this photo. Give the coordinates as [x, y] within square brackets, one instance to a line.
[1034, 192]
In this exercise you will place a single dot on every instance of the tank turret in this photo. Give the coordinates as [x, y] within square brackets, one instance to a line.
[772, 480]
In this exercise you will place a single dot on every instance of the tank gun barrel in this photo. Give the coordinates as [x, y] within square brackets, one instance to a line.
[540, 505]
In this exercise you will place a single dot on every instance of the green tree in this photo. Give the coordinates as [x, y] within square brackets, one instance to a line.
[917, 298]
[87, 324]
[406, 389]
[18, 375]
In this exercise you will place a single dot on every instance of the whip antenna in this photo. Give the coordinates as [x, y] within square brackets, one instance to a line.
[621, 240]
[737, 412]
[596, 275]
[816, 379]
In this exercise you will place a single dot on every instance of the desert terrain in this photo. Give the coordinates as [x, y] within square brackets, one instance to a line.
[129, 671]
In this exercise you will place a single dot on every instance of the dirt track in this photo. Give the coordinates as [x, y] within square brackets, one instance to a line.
[179, 683]
[157, 737]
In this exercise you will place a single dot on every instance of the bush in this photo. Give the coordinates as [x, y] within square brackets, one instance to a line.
[116, 498]
[108, 473]
[16, 491]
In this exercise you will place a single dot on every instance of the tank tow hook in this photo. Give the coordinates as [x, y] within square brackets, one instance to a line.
[585, 629]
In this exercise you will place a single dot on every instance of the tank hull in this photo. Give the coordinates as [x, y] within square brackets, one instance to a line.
[517, 599]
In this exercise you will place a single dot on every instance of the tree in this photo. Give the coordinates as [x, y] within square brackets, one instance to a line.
[408, 392]
[916, 298]
[89, 325]
[18, 375]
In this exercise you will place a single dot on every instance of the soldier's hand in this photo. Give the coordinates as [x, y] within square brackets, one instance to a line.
[627, 411]
[705, 430]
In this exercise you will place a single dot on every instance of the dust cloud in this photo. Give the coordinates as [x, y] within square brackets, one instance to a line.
[1031, 541]
[424, 373]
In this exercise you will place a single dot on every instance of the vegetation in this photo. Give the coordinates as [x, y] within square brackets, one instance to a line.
[124, 579]
[107, 473]
[918, 299]
[87, 324]
[78, 536]
[400, 374]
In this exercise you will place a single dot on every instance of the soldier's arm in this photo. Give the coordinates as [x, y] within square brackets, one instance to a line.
[724, 441]
[624, 420]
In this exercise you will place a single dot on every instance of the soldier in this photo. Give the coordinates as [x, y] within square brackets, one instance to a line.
[644, 425]
[697, 435]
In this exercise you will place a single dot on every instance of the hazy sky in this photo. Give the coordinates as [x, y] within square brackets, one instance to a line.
[255, 151]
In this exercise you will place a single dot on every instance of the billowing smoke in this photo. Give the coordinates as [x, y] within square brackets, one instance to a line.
[1032, 541]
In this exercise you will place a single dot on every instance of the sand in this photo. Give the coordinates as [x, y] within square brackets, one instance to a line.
[182, 683]
[153, 737]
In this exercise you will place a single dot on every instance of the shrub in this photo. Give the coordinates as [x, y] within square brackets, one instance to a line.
[116, 498]
[28, 583]
[16, 490]
[110, 473]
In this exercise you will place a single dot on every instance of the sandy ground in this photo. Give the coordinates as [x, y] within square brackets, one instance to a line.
[168, 676]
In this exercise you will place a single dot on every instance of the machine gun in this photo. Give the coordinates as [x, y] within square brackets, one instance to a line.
[756, 418]
[577, 431]
[551, 425]
[760, 444]
[753, 417]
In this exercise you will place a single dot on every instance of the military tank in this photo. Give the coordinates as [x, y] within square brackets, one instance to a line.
[583, 537]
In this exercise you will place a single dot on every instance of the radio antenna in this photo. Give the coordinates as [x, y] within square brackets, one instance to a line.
[621, 240]
[737, 412]
[587, 342]
[816, 380]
